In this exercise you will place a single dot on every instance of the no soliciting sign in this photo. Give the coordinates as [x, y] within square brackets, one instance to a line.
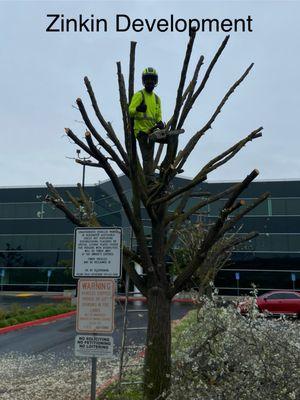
[94, 346]
[97, 252]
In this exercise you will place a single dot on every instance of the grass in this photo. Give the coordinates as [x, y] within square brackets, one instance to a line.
[17, 314]
[134, 391]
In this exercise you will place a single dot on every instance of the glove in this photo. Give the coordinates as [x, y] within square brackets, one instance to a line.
[160, 125]
[141, 108]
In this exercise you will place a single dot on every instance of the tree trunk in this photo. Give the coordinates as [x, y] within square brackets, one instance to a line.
[158, 347]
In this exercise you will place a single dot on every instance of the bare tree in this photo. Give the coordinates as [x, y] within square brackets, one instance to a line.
[106, 154]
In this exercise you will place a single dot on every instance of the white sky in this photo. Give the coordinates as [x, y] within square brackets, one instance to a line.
[41, 75]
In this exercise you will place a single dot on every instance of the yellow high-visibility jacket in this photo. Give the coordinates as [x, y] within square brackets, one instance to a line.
[145, 121]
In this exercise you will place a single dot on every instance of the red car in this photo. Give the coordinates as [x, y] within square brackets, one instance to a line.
[276, 302]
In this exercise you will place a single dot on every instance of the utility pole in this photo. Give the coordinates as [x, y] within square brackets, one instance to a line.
[83, 169]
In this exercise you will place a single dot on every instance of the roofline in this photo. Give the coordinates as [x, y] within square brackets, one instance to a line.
[44, 186]
[121, 175]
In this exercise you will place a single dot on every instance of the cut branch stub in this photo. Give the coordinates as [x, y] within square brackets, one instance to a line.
[197, 136]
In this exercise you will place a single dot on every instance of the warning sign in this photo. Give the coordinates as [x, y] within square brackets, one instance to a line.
[95, 306]
[94, 346]
[97, 252]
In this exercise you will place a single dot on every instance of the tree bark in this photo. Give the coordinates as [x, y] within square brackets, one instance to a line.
[158, 347]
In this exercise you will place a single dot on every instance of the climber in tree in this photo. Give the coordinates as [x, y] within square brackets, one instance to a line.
[145, 108]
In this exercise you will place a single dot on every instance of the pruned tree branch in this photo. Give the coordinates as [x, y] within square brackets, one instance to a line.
[230, 223]
[213, 235]
[124, 108]
[138, 281]
[184, 154]
[231, 152]
[190, 92]
[88, 163]
[193, 98]
[79, 143]
[55, 198]
[173, 140]
[198, 179]
[131, 70]
[100, 140]
[106, 125]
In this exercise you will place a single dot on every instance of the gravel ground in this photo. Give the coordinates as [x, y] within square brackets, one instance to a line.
[44, 377]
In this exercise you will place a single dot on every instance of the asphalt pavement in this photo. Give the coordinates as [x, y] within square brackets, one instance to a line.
[58, 337]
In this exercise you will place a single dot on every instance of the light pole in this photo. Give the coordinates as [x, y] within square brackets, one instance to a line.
[84, 159]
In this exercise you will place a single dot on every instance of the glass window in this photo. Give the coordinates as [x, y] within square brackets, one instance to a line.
[50, 211]
[290, 296]
[261, 209]
[35, 242]
[293, 206]
[278, 206]
[283, 296]
[214, 208]
[286, 206]
[293, 242]
[275, 296]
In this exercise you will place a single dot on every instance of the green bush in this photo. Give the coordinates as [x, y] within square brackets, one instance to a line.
[2, 314]
[24, 318]
[4, 323]
[17, 314]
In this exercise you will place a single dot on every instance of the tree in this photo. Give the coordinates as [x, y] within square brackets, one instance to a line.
[155, 284]
[190, 238]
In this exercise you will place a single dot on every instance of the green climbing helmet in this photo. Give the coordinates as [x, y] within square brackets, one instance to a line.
[150, 72]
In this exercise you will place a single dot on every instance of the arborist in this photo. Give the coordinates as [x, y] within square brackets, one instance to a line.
[145, 108]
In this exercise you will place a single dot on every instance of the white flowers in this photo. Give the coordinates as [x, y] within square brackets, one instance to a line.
[44, 377]
[224, 355]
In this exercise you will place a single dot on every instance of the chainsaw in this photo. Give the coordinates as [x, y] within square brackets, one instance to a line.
[161, 135]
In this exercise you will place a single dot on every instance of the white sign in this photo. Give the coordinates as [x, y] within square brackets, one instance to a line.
[97, 252]
[95, 306]
[94, 346]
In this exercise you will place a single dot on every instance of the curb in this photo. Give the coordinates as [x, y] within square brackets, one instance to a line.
[101, 389]
[22, 325]
[144, 300]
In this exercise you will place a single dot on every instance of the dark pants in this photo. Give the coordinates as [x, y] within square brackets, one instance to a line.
[147, 150]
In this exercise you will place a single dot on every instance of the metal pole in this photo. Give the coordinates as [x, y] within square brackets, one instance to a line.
[47, 289]
[124, 331]
[83, 175]
[93, 380]
[238, 287]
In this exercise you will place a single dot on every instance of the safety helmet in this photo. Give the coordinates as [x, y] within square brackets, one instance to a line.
[150, 72]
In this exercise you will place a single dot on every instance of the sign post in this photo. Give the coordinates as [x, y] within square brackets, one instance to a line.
[49, 272]
[237, 278]
[293, 279]
[97, 254]
[93, 378]
[2, 274]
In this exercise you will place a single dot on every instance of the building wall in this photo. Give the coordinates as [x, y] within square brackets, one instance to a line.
[35, 237]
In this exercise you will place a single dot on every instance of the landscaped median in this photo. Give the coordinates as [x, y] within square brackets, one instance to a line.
[19, 317]
[218, 353]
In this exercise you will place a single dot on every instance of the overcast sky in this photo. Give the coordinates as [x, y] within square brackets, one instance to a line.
[41, 75]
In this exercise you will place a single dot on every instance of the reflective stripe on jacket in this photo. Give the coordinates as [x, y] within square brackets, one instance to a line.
[145, 121]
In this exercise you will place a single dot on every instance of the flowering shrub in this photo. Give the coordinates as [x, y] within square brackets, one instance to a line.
[220, 354]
